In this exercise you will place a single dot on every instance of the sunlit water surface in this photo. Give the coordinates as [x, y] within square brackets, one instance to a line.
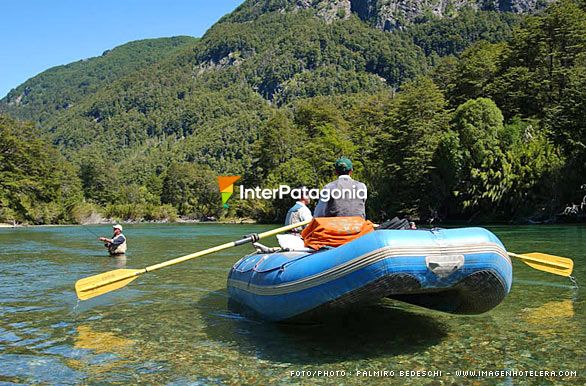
[174, 326]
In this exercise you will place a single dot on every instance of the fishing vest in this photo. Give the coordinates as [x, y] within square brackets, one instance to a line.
[348, 204]
[117, 249]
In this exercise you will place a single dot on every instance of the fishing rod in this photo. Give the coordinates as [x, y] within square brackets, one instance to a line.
[90, 231]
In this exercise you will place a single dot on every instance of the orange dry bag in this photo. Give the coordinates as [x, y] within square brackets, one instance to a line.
[334, 231]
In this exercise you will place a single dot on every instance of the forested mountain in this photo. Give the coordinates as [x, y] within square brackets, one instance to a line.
[61, 87]
[452, 116]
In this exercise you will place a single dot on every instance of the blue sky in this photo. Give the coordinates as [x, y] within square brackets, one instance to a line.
[38, 34]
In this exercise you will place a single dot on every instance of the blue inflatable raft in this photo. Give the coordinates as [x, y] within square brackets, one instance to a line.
[459, 271]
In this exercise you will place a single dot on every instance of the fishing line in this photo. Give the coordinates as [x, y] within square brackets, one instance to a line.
[90, 231]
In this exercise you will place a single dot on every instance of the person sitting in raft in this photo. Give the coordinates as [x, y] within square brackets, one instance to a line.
[299, 212]
[343, 197]
[117, 244]
[340, 214]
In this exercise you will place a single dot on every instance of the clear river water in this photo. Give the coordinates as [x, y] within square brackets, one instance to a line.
[174, 327]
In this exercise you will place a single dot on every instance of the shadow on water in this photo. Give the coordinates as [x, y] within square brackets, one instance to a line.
[377, 330]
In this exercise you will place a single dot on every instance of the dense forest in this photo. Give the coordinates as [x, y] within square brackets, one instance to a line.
[480, 116]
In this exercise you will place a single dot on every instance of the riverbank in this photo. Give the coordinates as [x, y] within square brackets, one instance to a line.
[110, 222]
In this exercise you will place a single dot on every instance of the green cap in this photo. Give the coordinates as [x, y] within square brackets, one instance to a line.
[343, 164]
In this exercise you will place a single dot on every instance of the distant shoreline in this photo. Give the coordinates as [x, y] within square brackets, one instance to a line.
[179, 221]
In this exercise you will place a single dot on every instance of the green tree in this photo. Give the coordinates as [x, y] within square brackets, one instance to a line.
[445, 176]
[470, 76]
[192, 189]
[567, 122]
[279, 141]
[37, 184]
[538, 63]
[407, 146]
[327, 136]
[505, 168]
[532, 175]
[478, 123]
[99, 179]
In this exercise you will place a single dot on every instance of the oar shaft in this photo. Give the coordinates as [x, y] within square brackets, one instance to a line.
[224, 246]
[190, 256]
[282, 229]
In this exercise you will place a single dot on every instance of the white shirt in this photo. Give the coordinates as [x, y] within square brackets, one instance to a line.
[298, 213]
[303, 212]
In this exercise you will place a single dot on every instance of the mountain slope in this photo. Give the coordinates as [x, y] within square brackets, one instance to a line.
[276, 57]
[61, 87]
[291, 69]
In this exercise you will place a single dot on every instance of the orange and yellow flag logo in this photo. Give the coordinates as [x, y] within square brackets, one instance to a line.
[226, 184]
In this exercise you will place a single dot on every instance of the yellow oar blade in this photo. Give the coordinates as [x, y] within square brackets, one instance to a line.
[97, 285]
[548, 263]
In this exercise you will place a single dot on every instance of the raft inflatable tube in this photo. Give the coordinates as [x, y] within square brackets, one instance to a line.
[459, 271]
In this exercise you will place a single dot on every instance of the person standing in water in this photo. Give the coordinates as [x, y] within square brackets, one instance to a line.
[117, 244]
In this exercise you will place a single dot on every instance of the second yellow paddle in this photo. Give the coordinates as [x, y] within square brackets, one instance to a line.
[557, 265]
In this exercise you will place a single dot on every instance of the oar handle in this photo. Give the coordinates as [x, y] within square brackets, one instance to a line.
[245, 240]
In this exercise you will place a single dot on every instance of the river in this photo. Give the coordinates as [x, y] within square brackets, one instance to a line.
[173, 326]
